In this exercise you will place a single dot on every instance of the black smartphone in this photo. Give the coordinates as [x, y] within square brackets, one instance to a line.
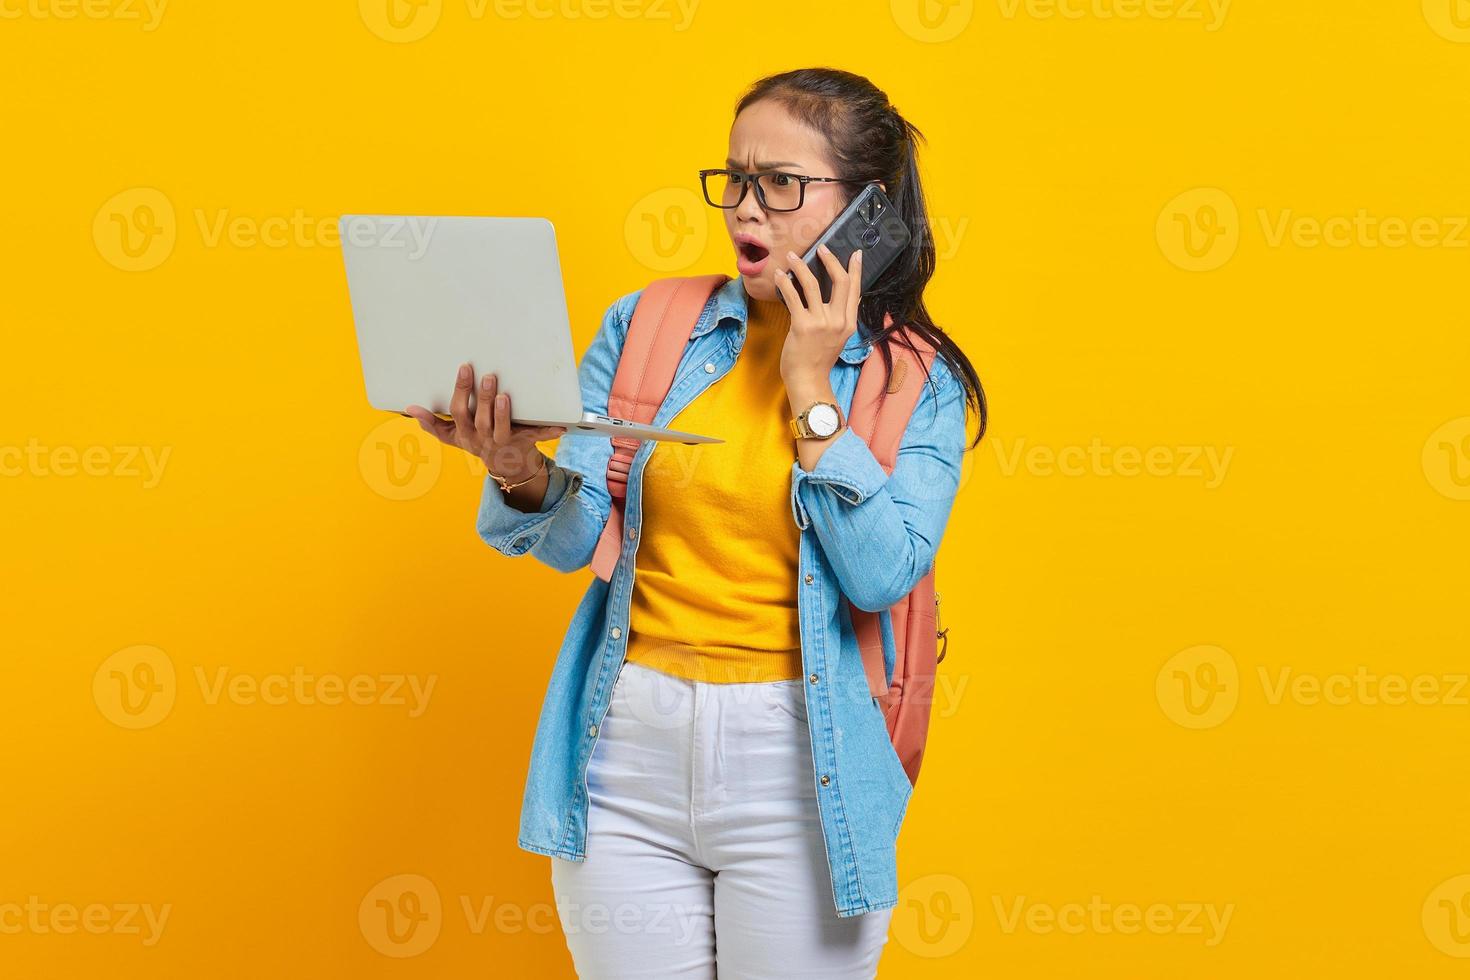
[869, 222]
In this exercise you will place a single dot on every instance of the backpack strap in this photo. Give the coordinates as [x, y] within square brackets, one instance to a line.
[664, 317]
[880, 414]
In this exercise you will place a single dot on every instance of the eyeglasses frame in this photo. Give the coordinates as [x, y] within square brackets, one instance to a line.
[760, 195]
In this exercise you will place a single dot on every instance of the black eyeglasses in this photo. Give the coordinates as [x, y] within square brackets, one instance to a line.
[776, 190]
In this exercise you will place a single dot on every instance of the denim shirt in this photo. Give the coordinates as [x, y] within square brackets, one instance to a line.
[865, 537]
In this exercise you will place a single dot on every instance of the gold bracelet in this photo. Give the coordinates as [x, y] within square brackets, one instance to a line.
[511, 486]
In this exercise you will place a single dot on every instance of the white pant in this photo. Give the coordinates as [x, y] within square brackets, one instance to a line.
[704, 850]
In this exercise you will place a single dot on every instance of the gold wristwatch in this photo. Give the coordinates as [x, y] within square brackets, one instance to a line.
[820, 420]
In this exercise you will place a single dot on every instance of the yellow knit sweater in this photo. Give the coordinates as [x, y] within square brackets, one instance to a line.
[714, 594]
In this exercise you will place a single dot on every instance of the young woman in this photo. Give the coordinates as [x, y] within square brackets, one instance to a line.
[710, 775]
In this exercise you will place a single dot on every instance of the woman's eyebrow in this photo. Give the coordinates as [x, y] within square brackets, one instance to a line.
[764, 165]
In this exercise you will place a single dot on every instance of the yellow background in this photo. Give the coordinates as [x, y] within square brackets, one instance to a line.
[1113, 731]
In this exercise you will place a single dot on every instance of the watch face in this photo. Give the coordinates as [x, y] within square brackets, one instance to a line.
[822, 419]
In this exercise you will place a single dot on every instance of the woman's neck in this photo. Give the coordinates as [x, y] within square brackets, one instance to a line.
[767, 313]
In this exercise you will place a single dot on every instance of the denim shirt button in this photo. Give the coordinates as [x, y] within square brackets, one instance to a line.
[617, 631]
[809, 578]
[826, 780]
[592, 731]
[632, 533]
[709, 367]
[814, 678]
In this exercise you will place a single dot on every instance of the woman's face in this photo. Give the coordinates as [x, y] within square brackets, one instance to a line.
[766, 137]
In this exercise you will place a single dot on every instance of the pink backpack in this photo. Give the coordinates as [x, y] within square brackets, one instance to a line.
[665, 316]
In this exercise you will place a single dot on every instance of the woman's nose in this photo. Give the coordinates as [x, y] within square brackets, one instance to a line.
[750, 209]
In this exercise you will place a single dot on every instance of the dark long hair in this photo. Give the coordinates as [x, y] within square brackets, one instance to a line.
[870, 141]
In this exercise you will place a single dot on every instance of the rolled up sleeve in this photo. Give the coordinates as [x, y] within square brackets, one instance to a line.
[847, 466]
[880, 531]
[514, 532]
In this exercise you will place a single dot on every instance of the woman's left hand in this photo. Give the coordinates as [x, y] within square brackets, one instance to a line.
[819, 330]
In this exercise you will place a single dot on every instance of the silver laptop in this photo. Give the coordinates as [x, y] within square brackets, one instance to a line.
[430, 293]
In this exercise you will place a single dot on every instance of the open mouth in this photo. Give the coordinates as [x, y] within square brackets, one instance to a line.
[753, 252]
[751, 257]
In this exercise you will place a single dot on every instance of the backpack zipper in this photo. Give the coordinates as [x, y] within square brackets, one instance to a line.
[942, 634]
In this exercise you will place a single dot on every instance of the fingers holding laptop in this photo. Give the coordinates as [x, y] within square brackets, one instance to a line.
[505, 448]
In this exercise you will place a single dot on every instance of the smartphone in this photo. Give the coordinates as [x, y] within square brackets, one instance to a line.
[869, 222]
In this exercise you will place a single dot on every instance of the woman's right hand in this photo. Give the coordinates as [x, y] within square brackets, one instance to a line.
[508, 450]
